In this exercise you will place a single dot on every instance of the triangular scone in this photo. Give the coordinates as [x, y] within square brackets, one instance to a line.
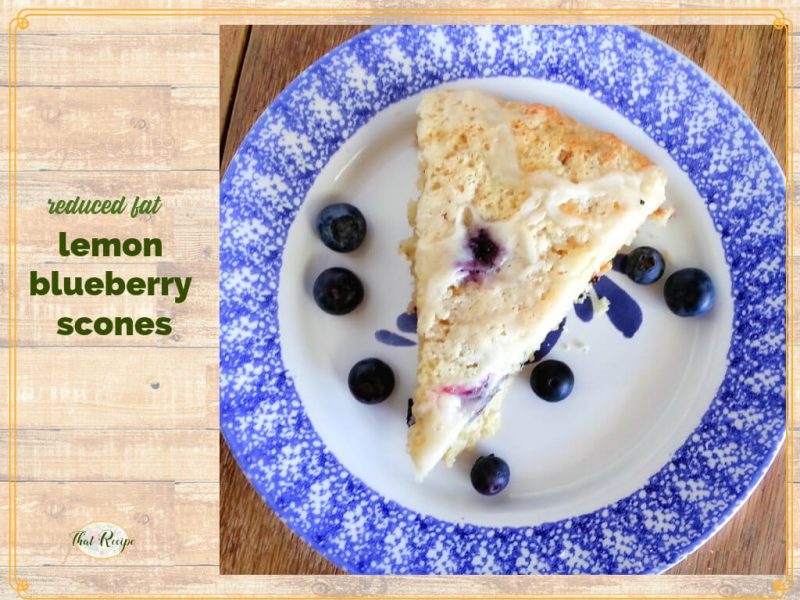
[520, 207]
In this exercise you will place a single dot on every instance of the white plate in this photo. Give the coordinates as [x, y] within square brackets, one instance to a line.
[665, 432]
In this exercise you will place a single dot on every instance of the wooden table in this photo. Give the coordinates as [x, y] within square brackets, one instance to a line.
[258, 62]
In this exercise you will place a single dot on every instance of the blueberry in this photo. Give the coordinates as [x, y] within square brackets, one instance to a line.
[341, 227]
[486, 255]
[552, 380]
[644, 265]
[490, 475]
[371, 381]
[484, 249]
[410, 420]
[689, 292]
[338, 291]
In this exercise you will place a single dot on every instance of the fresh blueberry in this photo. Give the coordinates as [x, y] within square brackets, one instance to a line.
[371, 381]
[689, 292]
[338, 291]
[341, 227]
[644, 265]
[490, 475]
[552, 380]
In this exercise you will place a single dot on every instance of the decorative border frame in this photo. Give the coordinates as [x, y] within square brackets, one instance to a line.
[22, 22]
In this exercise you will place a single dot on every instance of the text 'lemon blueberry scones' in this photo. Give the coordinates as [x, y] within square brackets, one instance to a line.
[520, 207]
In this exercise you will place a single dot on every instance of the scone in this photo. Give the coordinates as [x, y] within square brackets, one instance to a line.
[520, 207]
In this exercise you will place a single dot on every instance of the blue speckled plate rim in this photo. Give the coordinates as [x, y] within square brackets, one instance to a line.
[234, 441]
[681, 57]
[762, 471]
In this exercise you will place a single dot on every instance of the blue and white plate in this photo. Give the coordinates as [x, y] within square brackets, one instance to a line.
[672, 422]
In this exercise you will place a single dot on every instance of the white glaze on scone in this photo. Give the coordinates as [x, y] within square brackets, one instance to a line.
[520, 207]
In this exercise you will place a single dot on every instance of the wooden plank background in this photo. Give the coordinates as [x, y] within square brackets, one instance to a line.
[126, 430]
[273, 56]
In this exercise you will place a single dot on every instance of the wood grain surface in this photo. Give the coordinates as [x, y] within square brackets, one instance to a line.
[257, 62]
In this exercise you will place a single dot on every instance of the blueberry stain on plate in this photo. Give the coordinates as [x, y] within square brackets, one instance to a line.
[623, 311]
[584, 309]
[384, 336]
[405, 322]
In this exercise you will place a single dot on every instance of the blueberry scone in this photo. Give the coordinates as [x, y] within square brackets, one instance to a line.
[519, 207]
